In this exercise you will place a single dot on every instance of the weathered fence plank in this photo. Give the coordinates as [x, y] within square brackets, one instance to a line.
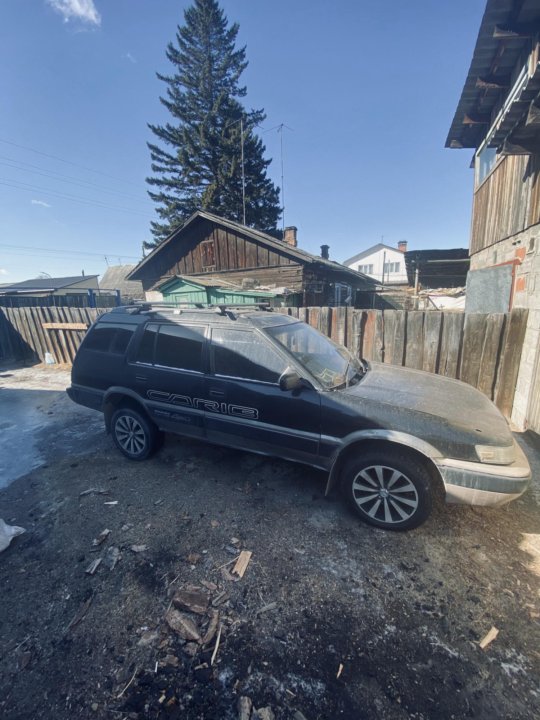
[394, 336]
[432, 341]
[414, 349]
[450, 356]
[491, 354]
[474, 331]
[510, 360]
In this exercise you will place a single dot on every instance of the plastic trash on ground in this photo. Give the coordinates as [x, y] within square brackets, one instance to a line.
[7, 533]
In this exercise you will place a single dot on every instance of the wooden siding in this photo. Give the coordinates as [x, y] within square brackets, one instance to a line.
[231, 251]
[507, 202]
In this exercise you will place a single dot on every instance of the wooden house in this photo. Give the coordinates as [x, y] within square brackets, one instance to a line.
[498, 117]
[208, 245]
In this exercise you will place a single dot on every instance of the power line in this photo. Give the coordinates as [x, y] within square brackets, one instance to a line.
[36, 170]
[67, 162]
[68, 252]
[63, 196]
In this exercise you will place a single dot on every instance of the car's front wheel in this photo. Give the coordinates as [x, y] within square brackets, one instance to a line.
[391, 489]
[133, 434]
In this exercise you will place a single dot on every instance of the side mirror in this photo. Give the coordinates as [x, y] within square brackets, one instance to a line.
[291, 380]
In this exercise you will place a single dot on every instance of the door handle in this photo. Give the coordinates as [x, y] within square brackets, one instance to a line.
[217, 393]
[141, 378]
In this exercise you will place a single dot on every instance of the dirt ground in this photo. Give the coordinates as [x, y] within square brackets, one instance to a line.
[332, 619]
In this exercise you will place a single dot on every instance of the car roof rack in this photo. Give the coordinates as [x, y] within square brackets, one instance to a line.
[220, 308]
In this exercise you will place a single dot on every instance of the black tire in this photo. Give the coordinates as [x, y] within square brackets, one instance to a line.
[389, 489]
[134, 434]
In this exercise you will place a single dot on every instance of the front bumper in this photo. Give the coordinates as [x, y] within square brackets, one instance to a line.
[471, 483]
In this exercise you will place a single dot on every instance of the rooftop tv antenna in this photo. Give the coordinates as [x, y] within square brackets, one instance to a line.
[280, 131]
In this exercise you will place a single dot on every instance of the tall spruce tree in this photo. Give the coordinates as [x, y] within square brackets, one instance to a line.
[197, 164]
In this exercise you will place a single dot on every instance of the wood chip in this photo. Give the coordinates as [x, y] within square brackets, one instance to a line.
[103, 535]
[91, 569]
[216, 648]
[242, 563]
[267, 608]
[214, 523]
[193, 558]
[138, 548]
[112, 556]
[244, 708]
[111, 502]
[489, 637]
[220, 598]
[340, 670]
[212, 627]
[209, 585]
[93, 491]
[192, 599]
[264, 713]
[79, 615]
[182, 625]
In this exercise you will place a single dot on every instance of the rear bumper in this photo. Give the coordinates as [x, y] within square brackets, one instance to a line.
[89, 397]
[471, 483]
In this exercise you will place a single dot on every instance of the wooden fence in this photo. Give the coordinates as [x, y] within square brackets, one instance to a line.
[28, 333]
[482, 350]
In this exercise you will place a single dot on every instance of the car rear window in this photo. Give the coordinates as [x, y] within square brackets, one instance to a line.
[106, 337]
[180, 346]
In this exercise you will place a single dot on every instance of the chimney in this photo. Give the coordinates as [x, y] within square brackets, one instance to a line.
[402, 246]
[325, 252]
[289, 235]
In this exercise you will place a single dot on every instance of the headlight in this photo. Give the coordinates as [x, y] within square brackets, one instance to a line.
[496, 455]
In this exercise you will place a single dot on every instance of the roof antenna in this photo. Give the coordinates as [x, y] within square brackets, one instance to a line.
[280, 131]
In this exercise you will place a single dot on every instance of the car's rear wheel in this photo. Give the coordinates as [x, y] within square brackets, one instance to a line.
[134, 435]
[390, 489]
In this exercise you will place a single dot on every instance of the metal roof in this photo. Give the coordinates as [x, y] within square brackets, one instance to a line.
[271, 242]
[505, 31]
[44, 284]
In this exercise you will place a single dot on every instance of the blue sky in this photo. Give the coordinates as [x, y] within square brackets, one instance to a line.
[368, 89]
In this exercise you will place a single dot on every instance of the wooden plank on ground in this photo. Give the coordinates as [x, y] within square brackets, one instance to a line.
[432, 341]
[450, 356]
[414, 350]
[474, 332]
[510, 360]
[491, 354]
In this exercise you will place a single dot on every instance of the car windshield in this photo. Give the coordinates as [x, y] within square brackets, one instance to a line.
[332, 365]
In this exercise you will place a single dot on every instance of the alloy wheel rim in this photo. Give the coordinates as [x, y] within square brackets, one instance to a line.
[385, 494]
[130, 434]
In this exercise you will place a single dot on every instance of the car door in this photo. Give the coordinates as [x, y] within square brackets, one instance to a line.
[247, 407]
[168, 373]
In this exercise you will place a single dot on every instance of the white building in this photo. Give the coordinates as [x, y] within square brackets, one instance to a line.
[381, 262]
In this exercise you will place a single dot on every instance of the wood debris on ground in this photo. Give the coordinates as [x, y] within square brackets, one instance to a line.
[182, 625]
[138, 548]
[191, 598]
[489, 637]
[91, 569]
[103, 535]
[79, 615]
[242, 563]
[93, 491]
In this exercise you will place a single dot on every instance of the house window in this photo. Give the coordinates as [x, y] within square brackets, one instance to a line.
[366, 269]
[486, 158]
[391, 268]
[208, 255]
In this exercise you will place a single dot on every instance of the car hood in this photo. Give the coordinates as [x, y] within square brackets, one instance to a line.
[448, 402]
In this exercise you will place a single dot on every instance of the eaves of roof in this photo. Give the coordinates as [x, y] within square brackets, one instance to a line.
[495, 56]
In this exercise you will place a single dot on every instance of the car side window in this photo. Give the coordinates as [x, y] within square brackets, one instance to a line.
[244, 354]
[105, 337]
[180, 346]
[145, 352]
